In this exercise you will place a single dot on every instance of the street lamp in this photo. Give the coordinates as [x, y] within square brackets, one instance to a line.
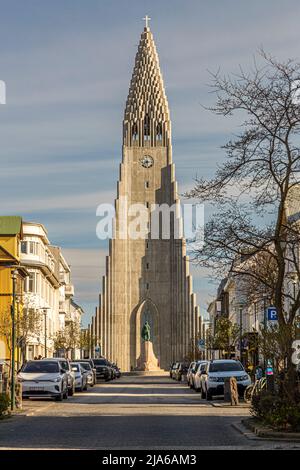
[241, 328]
[45, 330]
[265, 295]
[14, 276]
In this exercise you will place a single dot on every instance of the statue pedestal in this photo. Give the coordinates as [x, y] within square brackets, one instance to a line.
[147, 360]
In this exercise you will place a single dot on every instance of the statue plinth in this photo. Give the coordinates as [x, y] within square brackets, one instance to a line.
[147, 360]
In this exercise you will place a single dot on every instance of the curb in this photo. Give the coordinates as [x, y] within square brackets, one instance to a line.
[228, 405]
[265, 432]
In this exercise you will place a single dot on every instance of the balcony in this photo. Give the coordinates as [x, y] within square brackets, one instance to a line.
[69, 290]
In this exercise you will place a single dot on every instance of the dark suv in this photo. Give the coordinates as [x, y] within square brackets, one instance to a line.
[103, 369]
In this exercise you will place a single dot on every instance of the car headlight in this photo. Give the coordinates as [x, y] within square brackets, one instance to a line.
[58, 379]
[245, 377]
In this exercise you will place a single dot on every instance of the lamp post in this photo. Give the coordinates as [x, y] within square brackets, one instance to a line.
[14, 275]
[45, 331]
[265, 328]
[241, 330]
[18, 331]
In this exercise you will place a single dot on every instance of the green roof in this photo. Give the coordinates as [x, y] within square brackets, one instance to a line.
[10, 225]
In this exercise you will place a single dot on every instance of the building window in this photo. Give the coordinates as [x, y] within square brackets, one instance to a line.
[23, 247]
[31, 283]
[147, 265]
[147, 285]
[147, 184]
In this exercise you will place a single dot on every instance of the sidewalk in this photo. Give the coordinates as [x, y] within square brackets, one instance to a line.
[263, 431]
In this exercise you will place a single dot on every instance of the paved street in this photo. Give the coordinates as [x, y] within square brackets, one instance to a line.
[149, 412]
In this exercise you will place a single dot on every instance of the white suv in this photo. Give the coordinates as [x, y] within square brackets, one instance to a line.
[43, 379]
[214, 373]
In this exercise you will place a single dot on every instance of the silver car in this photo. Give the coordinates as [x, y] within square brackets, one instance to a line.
[89, 373]
[43, 378]
[80, 376]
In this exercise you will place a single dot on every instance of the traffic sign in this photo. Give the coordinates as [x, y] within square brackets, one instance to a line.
[272, 314]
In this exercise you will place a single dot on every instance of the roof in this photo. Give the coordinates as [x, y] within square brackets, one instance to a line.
[10, 225]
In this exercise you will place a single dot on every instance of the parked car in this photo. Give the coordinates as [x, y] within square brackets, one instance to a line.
[181, 371]
[197, 376]
[214, 373]
[174, 370]
[91, 362]
[171, 368]
[117, 371]
[103, 369]
[81, 376]
[65, 364]
[189, 371]
[89, 372]
[43, 378]
[193, 372]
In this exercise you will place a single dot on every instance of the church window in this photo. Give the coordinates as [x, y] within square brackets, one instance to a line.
[146, 184]
[147, 285]
[147, 265]
[159, 131]
[147, 127]
[135, 131]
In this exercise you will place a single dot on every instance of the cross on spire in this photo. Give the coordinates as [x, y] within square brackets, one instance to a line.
[147, 19]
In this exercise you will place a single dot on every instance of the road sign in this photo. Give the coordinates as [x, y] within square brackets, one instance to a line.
[272, 314]
[201, 345]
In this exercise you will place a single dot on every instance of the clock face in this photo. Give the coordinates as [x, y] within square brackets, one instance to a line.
[147, 161]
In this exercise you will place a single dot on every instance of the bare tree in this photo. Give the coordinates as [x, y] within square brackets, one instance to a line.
[252, 232]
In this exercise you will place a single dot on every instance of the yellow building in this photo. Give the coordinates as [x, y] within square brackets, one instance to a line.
[10, 237]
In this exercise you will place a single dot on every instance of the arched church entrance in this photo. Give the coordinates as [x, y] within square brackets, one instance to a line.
[147, 312]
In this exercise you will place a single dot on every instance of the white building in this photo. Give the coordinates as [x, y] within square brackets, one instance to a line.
[47, 292]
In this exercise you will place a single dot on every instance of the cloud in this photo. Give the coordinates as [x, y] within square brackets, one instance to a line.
[67, 73]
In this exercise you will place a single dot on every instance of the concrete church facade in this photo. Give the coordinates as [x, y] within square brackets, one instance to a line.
[146, 279]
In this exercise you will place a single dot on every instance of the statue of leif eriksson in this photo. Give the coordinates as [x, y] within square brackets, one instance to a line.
[146, 332]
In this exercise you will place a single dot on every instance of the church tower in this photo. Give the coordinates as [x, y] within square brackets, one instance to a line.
[146, 279]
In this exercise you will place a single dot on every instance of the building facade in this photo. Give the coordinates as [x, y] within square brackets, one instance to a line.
[48, 292]
[146, 279]
[12, 275]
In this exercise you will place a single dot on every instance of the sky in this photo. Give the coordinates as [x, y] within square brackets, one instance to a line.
[67, 65]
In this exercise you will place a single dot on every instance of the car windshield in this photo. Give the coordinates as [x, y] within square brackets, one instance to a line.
[225, 367]
[75, 367]
[41, 367]
[100, 362]
[86, 365]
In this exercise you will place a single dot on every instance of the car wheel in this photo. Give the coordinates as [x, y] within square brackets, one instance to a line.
[59, 397]
[209, 396]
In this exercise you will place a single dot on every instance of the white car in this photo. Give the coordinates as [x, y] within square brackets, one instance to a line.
[89, 372]
[80, 376]
[65, 365]
[214, 373]
[197, 376]
[43, 379]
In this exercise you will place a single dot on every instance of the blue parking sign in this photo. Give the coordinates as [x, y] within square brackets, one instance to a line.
[272, 314]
